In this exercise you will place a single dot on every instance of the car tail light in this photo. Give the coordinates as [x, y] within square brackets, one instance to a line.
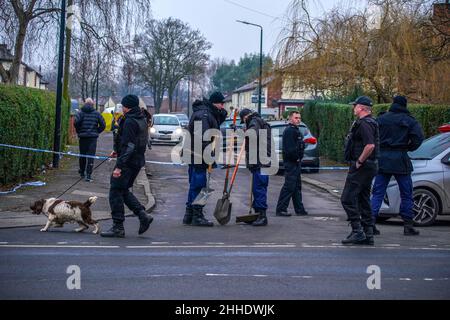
[311, 140]
[444, 128]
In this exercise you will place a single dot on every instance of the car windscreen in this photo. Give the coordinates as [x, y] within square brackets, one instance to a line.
[431, 147]
[182, 117]
[167, 121]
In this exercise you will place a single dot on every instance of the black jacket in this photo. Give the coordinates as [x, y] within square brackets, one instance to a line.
[293, 144]
[132, 143]
[257, 152]
[399, 133]
[89, 123]
[206, 115]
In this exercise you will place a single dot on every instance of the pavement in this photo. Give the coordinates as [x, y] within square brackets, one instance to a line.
[15, 208]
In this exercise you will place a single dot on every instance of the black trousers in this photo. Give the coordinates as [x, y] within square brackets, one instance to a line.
[292, 188]
[120, 194]
[88, 146]
[355, 197]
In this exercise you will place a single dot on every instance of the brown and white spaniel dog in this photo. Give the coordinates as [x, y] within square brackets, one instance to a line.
[60, 212]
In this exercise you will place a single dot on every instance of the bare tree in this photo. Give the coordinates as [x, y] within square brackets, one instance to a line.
[169, 51]
[20, 21]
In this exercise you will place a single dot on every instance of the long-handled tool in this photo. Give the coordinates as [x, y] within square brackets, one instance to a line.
[250, 217]
[202, 197]
[223, 206]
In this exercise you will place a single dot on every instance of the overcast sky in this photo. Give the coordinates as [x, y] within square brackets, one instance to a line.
[216, 19]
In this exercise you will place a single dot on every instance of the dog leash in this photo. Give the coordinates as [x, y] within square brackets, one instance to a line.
[81, 179]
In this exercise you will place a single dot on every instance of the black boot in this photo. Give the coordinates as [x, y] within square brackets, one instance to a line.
[198, 219]
[116, 231]
[368, 230]
[187, 219]
[82, 175]
[145, 221]
[357, 236]
[376, 232]
[262, 219]
[88, 178]
[408, 229]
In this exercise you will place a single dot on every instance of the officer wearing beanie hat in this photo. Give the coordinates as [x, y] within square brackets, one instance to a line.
[207, 114]
[131, 146]
[399, 133]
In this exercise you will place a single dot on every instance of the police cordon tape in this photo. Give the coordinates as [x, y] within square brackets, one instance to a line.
[147, 161]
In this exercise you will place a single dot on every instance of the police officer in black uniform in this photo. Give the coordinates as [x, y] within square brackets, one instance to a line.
[133, 136]
[399, 133]
[293, 150]
[361, 151]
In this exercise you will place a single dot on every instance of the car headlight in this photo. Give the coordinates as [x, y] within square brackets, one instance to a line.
[178, 131]
[152, 130]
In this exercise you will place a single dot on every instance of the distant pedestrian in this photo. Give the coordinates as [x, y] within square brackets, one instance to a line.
[253, 156]
[361, 151]
[399, 133]
[89, 123]
[207, 114]
[148, 118]
[293, 150]
[131, 146]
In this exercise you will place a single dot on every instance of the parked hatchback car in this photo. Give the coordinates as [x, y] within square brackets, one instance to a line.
[431, 182]
[166, 128]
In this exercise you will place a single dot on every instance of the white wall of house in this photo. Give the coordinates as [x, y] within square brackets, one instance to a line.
[290, 91]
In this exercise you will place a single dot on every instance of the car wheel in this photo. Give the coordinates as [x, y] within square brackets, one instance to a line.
[426, 207]
[382, 219]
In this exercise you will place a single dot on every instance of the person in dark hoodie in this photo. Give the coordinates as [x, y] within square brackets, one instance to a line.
[207, 114]
[130, 148]
[399, 133]
[257, 156]
[88, 124]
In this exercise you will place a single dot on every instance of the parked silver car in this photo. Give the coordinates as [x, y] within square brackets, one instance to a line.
[431, 182]
[166, 128]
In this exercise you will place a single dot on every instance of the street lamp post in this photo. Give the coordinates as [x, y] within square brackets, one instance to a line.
[59, 86]
[260, 62]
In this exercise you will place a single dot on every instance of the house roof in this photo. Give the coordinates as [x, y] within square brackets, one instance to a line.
[253, 85]
[5, 55]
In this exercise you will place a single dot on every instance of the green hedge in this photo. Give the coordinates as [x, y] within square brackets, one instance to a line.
[27, 118]
[330, 122]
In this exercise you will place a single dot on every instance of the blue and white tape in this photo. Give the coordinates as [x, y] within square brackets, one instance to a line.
[148, 161]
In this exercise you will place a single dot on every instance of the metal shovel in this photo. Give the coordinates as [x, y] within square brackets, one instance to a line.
[250, 217]
[222, 212]
[202, 197]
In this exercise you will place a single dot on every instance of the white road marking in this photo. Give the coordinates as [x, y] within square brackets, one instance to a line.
[62, 242]
[260, 275]
[159, 242]
[217, 275]
[54, 246]
[211, 246]
[405, 279]
[303, 277]
[215, 243]
[391, 245]
[428, 279]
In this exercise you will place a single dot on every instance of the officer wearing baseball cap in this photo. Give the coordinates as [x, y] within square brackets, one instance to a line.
[361, 151]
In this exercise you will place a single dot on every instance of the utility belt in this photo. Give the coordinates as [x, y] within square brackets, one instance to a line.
[404, 149]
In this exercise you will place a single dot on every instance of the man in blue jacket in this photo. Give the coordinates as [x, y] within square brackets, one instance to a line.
[89, 124]
[399, 133]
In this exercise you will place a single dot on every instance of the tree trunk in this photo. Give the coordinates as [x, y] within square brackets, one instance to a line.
[18, 52]
[66, 94]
